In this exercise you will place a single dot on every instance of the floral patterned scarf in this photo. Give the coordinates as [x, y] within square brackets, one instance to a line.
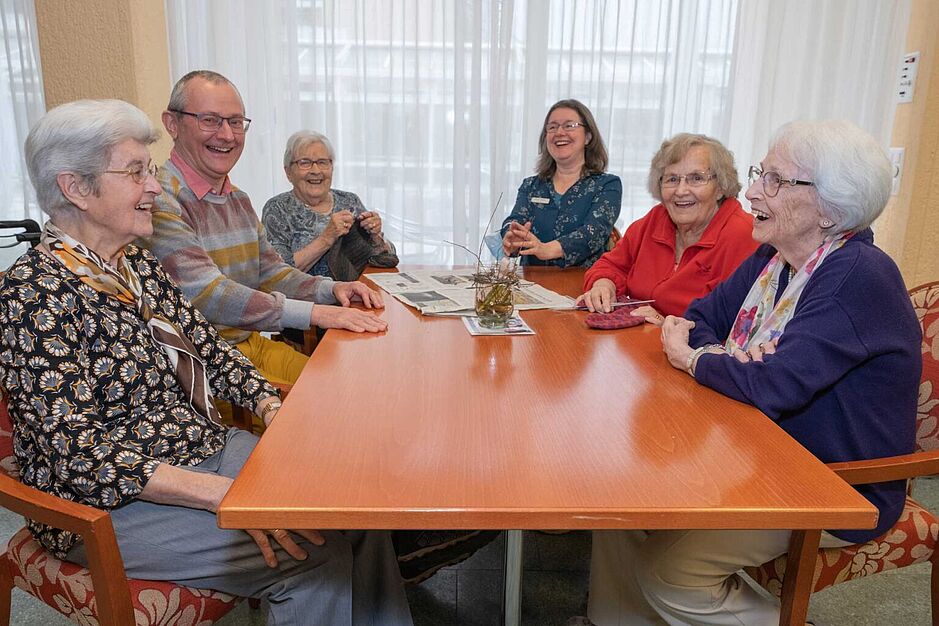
[124, 285]
[761, 319]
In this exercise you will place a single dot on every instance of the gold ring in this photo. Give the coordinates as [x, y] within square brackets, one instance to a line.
[762, 350]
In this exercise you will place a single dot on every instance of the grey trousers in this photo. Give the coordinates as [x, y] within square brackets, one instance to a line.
[352, 579]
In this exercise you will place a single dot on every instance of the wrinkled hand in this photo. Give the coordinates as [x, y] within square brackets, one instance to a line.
[326, 316]
[339, 224]
[515, 236]
[755, 353]
[346, 293]
[371, 222]
[650, 315]
[601, 296]
[283, 538]
[675, 334]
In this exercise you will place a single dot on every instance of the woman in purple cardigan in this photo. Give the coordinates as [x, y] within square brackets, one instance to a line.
[816, 330]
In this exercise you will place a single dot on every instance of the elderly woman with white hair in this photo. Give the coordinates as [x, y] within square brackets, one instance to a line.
[110, 375]
[816, 330]
[318, 229]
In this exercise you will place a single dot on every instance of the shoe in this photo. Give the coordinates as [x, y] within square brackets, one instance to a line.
[579, 621]
[421, 553]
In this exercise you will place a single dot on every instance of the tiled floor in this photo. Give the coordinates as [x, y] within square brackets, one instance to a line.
[554, 585]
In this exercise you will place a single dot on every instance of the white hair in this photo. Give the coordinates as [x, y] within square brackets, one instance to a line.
[303, 138]
[78, 137]
[850, 170]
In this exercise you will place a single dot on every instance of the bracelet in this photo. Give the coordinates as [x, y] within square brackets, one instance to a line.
[697, 352]
[691, 358]
[270, 408]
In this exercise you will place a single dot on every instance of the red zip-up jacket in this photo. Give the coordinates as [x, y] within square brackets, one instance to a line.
[642, 265]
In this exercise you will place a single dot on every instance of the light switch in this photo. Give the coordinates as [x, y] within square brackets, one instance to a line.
[907, 77]
[896, 165]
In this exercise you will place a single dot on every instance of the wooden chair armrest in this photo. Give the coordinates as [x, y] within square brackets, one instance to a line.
[94, 526]
[283, 388]
[888, 468]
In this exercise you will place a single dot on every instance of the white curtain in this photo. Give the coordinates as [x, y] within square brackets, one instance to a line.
[812, 59]
[435, 106]
[21, 105]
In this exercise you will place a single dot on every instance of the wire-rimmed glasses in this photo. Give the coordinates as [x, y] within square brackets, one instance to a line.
[772, 181]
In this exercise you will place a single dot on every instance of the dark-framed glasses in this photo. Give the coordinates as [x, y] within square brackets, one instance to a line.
[554, 127]
[211, 122]
[694, 179]
[772, 181]
[138, 173]
[306, 164]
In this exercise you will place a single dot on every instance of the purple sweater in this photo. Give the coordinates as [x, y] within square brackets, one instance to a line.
[845, 376]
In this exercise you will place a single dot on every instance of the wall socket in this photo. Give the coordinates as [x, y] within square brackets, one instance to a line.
[907, 77]
[896, 165]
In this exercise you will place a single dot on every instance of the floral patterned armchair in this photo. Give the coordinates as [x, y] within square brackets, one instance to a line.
[101, 594]
[913, 539]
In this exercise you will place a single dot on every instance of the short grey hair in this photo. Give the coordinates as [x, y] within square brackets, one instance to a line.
[79, 137]
[674, 150]
[303, 138]
[851, 172]
[179, 95]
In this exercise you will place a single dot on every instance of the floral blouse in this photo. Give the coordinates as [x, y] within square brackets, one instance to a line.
[291, 226]
[96, 404]
[581, 220]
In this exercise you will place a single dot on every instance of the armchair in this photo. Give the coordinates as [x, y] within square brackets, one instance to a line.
[102, 593]
[913, 539]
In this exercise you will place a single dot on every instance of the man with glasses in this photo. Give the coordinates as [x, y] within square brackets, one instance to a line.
[208, 237]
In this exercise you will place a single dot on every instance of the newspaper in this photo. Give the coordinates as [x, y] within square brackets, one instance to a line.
[514, 326]
[451, 292]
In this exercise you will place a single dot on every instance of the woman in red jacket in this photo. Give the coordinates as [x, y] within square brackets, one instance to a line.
[685, 245]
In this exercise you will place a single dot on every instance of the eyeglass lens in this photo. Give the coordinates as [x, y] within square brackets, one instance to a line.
[305, 164]
[771, 180]
[694, 179]
[553, 127]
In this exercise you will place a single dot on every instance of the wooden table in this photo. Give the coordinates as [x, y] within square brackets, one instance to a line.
[428, 427]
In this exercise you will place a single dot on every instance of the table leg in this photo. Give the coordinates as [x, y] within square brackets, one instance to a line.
[799, 577]
[512, 598]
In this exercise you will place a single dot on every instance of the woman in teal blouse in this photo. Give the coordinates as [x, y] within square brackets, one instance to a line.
[564, 214]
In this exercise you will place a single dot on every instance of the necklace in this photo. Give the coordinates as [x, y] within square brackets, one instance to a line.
[329, 204]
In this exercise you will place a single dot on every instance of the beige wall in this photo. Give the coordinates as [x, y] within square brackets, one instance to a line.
[106, 49]
[909, 228]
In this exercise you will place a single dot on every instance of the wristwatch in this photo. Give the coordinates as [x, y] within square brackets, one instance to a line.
[270, 408]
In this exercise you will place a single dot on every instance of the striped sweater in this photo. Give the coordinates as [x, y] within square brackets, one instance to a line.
[217, 251]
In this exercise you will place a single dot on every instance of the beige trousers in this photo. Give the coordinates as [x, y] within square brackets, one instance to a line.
[683, 577]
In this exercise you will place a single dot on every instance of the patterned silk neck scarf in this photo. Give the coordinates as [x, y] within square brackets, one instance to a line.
[124, 285]
[761, 319]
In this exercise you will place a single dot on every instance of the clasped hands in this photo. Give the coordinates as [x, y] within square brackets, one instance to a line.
[676, 332]
[519, 239]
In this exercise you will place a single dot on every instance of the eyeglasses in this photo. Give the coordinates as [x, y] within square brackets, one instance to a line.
[305, 164]
[772, 181]
[694, 179]
[139, 173]
[554, 127]
[211, 122]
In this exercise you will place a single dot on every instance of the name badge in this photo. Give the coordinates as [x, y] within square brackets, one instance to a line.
[540, 200]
